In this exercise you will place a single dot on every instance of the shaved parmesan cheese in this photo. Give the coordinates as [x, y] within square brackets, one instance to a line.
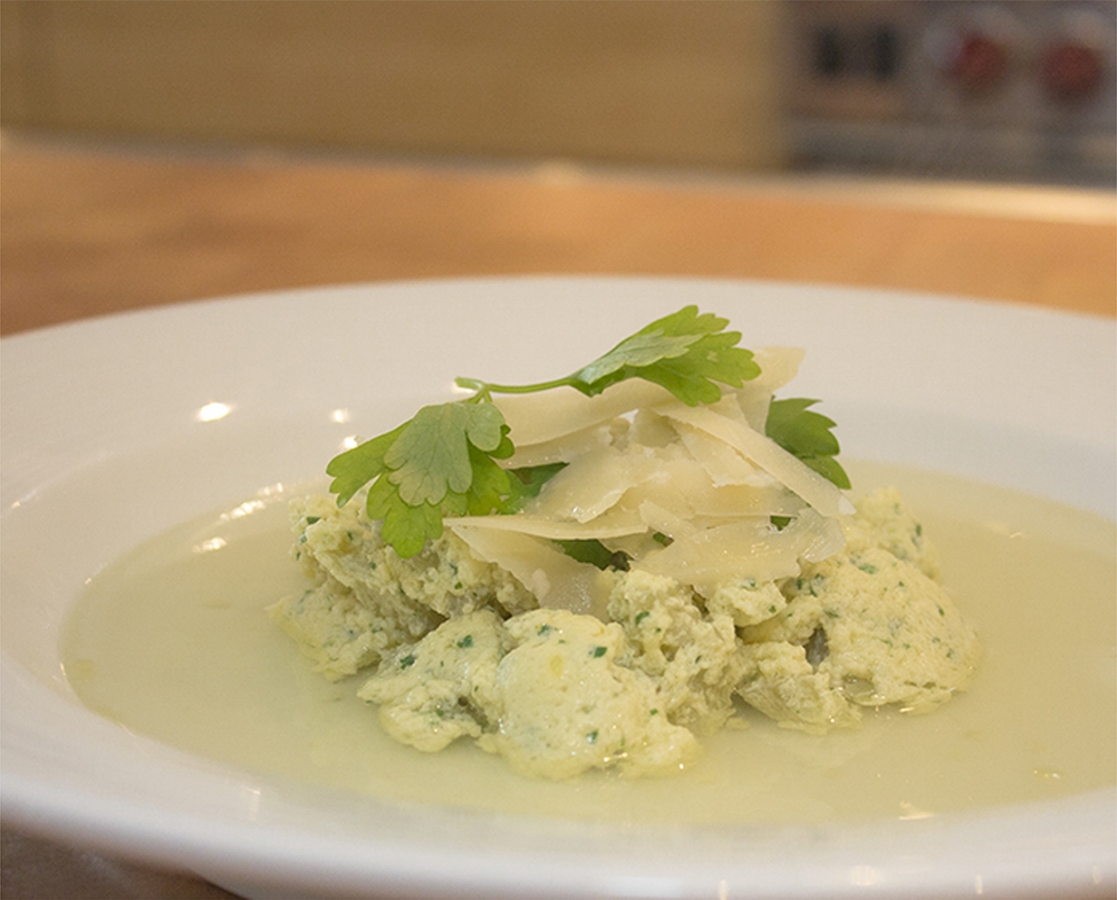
[743, 500]
[684, 486]
[607, 479]
[750, 548]
[590, 485]
[664, 521]
[566, 447]
[634, 546]
[720, 460]
[665, 492]
[615, 523]
[822, 537]
[556, 580]
[766, 453]
[652, 430]
[535, 418]
[778, 365]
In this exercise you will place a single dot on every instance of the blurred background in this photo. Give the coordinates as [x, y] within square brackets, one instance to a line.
[998, 91]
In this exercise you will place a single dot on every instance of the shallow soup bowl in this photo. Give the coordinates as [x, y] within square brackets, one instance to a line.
[120, 428]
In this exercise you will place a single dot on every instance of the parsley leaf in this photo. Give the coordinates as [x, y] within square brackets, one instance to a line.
[442, 460]
[356, 467]
[431, 454]
[685, 352]
[492, 489]
[806, 434]
[405, 527]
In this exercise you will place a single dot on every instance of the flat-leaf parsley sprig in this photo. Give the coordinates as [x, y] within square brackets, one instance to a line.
[445, 459]
[685, 352]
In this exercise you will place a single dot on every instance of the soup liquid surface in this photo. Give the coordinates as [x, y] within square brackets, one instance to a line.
[172, 642]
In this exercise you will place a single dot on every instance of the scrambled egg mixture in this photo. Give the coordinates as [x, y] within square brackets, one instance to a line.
[745, 580]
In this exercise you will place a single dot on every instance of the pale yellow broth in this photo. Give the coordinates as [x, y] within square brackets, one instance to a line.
[172, 642]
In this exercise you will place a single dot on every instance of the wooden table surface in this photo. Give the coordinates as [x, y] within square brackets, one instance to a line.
[86, 231]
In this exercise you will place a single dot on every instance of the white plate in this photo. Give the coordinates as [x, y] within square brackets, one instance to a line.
[118, 428]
